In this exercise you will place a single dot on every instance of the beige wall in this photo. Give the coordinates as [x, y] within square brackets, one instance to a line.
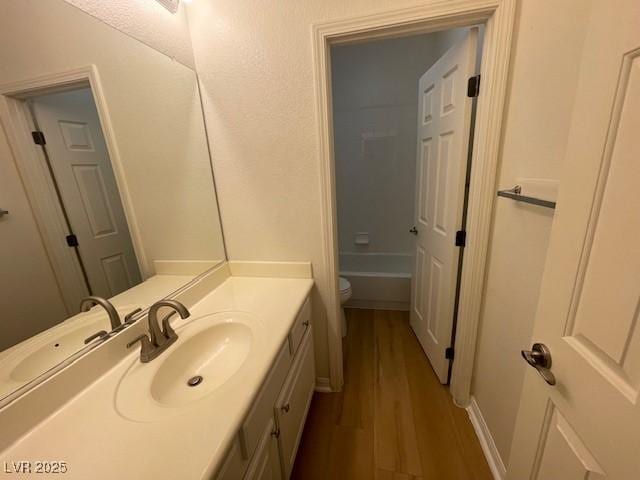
[147, 21]
[543, 80]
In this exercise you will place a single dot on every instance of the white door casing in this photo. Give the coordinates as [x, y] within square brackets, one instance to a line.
[588, 424]
[444, 122]
[24, 265]
[83, 172]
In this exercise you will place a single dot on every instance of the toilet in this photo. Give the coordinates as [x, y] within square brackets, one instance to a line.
[345, 295]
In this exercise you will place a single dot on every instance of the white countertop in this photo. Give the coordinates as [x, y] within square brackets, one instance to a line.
[97, 442]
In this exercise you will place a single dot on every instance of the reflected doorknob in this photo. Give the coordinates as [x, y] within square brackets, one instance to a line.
[539, 357]
[413, 230]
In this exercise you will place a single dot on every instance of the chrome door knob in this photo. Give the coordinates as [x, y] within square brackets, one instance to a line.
[539, 357]
[413, 230]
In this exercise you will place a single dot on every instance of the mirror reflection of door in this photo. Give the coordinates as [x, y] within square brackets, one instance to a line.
[86, 194]
[82, 172]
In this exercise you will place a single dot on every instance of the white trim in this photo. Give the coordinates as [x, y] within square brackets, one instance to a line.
[29, 159]
[486, 441]
[323, 385]
[441, 14]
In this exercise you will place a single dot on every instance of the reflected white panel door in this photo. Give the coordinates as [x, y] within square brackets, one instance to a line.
[83, 172]
[444, 122]
[588, 424]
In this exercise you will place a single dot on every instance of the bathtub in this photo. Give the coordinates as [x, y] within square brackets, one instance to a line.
[378, 280]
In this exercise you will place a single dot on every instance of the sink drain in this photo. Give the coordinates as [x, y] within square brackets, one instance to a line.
[195, 381]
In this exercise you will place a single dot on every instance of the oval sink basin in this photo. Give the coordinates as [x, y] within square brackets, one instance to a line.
[208, 358]
[201, 363]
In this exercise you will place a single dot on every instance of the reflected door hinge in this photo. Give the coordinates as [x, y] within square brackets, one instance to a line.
[38, 138]
[473, 86]
[461, 238]
[72, 240]
[448, 353]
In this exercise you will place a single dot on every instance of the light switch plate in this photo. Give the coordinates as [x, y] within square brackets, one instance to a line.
[171, 5]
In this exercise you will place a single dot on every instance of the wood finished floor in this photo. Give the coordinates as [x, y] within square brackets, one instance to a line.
[393, 420]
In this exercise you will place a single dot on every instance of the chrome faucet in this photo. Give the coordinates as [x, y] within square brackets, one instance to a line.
[114, 318]
[159, 339]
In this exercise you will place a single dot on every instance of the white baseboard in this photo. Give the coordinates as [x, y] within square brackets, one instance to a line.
[323, 385]
[486, 441]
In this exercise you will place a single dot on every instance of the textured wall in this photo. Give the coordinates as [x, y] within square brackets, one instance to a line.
[147, 21]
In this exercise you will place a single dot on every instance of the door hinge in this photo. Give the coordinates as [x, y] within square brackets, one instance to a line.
[38, 138]
[473, 86]
[448, 353]
[72, 240]
[461, 238]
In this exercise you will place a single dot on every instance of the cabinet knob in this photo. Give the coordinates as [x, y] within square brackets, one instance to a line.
[276, 433]
[306, 323]
[285, 408]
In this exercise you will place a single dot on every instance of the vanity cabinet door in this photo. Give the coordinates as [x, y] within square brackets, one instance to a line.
[265, 464]
[262, 409]
[293, 403]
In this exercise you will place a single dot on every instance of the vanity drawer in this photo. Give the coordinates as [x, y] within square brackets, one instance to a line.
[300, 326]
[265, 464]
[293, 403]
[262, 409]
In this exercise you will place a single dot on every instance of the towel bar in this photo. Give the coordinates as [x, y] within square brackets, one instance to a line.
[516, 194]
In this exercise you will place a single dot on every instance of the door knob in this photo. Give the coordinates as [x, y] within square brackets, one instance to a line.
[539, 357]
[3, 212]
[413, 230]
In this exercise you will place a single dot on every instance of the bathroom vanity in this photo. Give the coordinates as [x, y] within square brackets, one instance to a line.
[249, 338]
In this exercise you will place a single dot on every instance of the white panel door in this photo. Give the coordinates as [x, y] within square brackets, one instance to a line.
[444, 122]
[588, 424]
[85, 178]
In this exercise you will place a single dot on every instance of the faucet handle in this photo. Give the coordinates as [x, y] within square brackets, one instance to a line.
[140, 338]
[147, 349]
[129, 316]
[100, 334]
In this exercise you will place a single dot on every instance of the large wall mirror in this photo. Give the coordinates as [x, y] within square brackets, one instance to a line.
[106, 185]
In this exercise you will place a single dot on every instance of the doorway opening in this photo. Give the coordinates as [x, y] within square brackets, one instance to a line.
[403, 114]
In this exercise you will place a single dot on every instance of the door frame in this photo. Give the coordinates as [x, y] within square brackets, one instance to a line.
[498, 17]
[18, 123]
